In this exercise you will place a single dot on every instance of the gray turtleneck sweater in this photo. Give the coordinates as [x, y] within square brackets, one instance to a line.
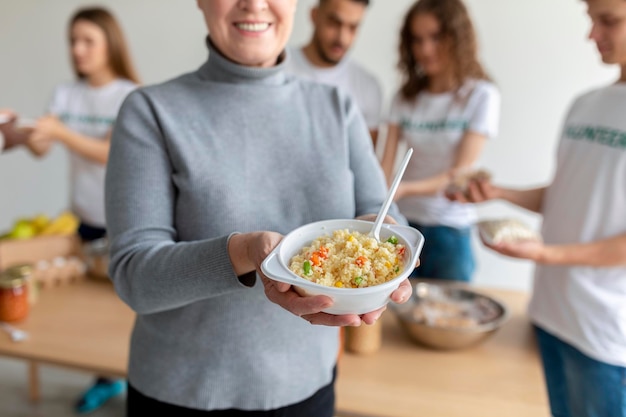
[227, 149]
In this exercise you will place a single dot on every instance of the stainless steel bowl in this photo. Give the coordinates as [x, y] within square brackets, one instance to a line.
[482, 315]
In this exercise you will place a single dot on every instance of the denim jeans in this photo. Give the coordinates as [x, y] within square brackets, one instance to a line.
[447, 253]
[579, 386]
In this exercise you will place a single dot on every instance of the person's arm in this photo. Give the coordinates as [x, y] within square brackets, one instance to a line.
[50, 128]
[466, 155]
[374, 136]
[39, 147]
[482, 190]
[390, 151]
[373, 120]
[150, 269]
[483, 103]
[610, 252]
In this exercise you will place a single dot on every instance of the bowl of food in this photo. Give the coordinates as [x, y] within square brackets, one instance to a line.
[339, 259]
[447, 316]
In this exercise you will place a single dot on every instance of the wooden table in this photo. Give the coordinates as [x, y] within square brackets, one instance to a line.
[500, 378]
[86, 327]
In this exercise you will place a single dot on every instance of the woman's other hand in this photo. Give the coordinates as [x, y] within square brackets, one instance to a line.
[478, 191]
[249, 250]
[533, 250]
[47, 129]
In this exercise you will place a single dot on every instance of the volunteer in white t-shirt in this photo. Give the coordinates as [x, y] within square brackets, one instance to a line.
[80, 117]
[579, 297]
[323, 59]
[445, 110]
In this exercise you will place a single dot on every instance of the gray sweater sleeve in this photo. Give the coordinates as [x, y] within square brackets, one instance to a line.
[151, 271]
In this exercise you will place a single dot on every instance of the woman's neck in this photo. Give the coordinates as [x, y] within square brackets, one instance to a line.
[441, 83]
[311, 52]
[100, 78]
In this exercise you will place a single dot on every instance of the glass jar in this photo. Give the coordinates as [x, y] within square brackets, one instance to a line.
[26, 271]
[14, 303]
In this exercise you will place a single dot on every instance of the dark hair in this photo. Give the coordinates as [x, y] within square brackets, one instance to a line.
[117, 48]
[456, 29]
[364, 2]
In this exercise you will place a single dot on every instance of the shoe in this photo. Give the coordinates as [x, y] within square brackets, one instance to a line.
[99, 393]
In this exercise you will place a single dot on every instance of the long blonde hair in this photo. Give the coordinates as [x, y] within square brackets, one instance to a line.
[117, 48]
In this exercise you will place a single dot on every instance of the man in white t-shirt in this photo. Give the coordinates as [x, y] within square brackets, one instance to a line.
[9, 136]
[323, 59]
[578, 304]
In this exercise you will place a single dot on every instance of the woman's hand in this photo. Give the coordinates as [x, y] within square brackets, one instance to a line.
[478, 191]
[308, 307]
[12, 136]
[248, 251]
[533, 250]
[48, 129]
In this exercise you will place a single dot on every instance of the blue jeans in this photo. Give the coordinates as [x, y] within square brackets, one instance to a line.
[579, 386]
[447, 253]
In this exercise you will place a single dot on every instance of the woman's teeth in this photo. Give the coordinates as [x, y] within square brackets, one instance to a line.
[253, 27]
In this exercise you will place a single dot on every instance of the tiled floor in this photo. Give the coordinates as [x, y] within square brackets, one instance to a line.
[59, 390]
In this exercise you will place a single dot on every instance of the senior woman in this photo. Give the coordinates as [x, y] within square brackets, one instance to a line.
[206, 173]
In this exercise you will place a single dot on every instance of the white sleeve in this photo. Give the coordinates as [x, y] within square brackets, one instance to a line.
[55, 105]
[485, 116]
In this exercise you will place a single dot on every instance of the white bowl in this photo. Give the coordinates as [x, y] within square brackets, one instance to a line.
[346, 300]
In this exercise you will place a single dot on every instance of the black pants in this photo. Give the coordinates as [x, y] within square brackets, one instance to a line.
[321, 404]
[89, 233]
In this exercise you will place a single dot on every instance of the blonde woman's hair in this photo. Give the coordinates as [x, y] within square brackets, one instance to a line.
[117, 48]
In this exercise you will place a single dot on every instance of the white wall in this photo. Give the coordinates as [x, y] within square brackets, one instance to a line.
[536, 51]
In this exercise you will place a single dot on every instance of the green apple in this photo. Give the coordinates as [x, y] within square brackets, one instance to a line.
[22, 229]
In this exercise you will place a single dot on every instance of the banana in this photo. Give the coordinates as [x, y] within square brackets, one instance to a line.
[65, 223]
[40, 222]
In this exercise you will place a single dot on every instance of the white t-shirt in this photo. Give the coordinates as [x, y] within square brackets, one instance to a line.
[347, 75]
[586, 306]
[433, 125]
[91, 112]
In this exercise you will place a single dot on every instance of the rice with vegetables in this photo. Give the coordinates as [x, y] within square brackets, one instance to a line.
[349, 260]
